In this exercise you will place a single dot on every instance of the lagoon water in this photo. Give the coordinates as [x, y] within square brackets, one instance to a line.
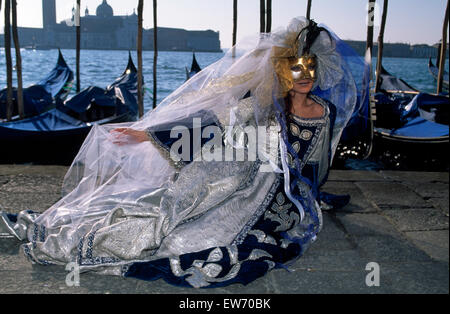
[101, 67]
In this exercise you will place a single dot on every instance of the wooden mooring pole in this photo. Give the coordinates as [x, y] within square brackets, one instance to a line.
[78, 47]
[234, 22]
[443, 50]
[155, 50]
[269, 16]
[370, 24]
[369, 50]
[380, 46]
[139, 57]
[7, 36]
[15, 35]
[262, 16]
[308, 10]
[233, 42]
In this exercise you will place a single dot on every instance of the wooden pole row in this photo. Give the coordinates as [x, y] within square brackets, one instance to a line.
[7, 36]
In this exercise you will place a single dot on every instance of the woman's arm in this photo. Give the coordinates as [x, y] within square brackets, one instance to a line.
[124, 136]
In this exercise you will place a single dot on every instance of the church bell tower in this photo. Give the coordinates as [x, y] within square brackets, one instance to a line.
[48, 13]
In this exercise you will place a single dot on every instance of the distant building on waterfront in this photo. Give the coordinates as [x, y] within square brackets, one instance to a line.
[398, 50]
[104, 30]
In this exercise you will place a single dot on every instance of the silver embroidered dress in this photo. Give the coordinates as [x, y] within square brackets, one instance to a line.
[134, 210]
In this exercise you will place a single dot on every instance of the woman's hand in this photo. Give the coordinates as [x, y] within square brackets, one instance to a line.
[124, 136]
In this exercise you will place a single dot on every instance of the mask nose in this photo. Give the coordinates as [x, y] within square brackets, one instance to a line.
[304, 68]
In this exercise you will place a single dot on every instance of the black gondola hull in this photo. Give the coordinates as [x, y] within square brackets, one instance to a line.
[434, 70]
[55, 136]
[56, 147]
[45, 94]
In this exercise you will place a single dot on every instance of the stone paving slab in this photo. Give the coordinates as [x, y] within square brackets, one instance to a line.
[427, 190]
[43, 279]
[331, 260]
[332, 237]
[358, 204]
[382, 248]
[418, 219]
[414, 176]
[57, 171]
[434, 243]
[16, 202]
[325, 282]
[389, 221]
[440, 203]
[30, 183]
[391, 195]
[373, 224]
[417, 278]
[356, 176]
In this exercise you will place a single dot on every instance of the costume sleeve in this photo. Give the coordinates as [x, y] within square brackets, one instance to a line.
[164, 136]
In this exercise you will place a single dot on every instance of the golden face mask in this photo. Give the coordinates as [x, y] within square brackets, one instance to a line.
[303, 68]
[291, 69]
[290, 64]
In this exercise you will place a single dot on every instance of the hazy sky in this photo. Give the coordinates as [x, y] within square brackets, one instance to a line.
[408, 21]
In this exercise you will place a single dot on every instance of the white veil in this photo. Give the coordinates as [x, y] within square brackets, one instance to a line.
[104, 174]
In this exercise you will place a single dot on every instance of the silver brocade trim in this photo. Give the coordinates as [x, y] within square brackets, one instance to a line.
[233, 253]
[320, 124]
[257, 254]
[215, 255]
[251, 176]
[88, 259]
[280, 214]
[200, 275]
[262, 237]
[306, 135]
[261, 209]
[163, 151]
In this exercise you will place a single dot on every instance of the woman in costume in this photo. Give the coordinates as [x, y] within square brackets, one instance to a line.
[220, 183]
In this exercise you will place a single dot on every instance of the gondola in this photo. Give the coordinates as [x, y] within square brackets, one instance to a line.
[410, 128]
[434, 70]
[195, 68]
[392, 84]
[55, 136]
[405, 115]
[42, 96]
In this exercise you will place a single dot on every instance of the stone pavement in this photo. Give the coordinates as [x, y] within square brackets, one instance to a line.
[398, 220]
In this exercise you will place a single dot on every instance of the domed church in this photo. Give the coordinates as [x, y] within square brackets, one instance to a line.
[104, 10]
[107, 31]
